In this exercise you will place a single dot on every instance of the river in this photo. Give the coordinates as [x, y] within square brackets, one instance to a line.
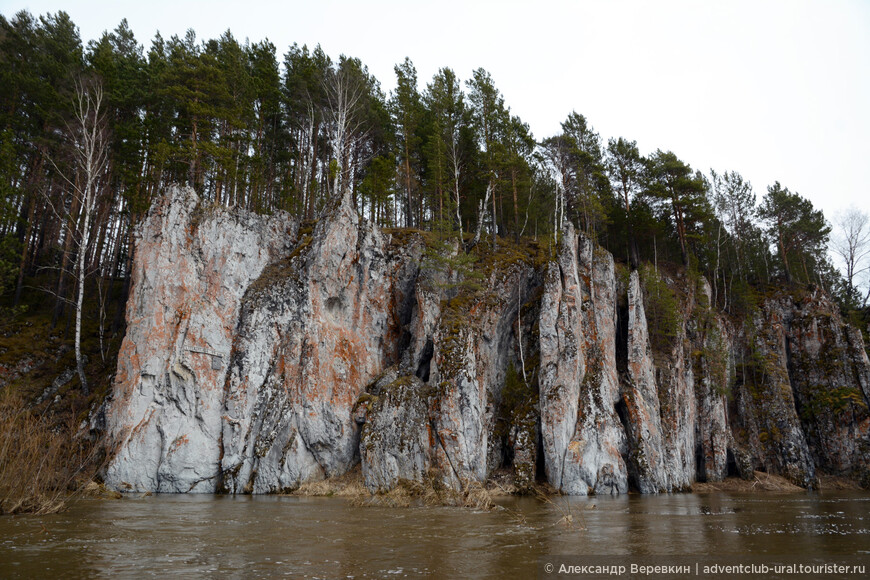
[301, 537]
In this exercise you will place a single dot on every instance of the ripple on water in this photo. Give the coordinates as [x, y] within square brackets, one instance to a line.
[267, 537]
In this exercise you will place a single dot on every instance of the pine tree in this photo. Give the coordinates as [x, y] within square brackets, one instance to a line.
[406, 110]
[490, 118]
[796, 228]
[447, 116]
[671, 182]
[625, 167]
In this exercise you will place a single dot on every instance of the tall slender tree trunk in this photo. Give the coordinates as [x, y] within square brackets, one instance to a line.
[194, 161]
[409, 221]
[633, 253]
[31, 215]
[25, 251]
[128, 274]
[82, 262]
[681, 231]
[60, 292]
[494, 222]
[516, 205]
[782, 251]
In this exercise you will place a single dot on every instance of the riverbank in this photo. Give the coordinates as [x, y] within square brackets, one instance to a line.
[763, 482]
[483, 496]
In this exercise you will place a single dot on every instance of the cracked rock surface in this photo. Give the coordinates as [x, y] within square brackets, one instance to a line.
[262, 353]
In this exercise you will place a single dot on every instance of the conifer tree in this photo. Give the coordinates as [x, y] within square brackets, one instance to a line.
[406, 110]
[625, 168]
[445, 104]
[796, 228]
[671, 183]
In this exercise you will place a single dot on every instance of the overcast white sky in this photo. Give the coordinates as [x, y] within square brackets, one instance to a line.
[777, 90]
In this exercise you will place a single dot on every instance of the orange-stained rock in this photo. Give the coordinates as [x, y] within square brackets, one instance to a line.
[310, 337]
[192, 266]
[584, 441]
[259, 356]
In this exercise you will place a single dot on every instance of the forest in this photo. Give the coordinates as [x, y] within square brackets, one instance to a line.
[92, 133]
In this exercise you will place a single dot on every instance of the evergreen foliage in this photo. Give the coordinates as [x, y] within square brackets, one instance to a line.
[662, 309]
[249, 128]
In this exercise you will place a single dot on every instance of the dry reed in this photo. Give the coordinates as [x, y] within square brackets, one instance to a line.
[348, 485]
[430, 492]
[41, 464]
[760, 482]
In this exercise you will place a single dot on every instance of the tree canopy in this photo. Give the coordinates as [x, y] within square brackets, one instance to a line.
[249, 128]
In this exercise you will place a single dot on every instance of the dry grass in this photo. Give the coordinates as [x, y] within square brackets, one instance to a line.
[41, 464]
[348, 485]
[834, 482]
[564, 508]
[475, 495]
[760, 482]
[502, 484]
[430, 492]
[99, 491]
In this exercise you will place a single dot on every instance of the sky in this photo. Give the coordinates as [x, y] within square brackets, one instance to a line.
[775, 90]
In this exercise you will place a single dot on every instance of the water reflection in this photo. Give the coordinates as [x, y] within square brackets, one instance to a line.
[328, 538]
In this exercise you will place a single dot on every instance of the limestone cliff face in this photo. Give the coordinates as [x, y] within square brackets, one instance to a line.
[261, 355]
[192, 266]
[802, 391]
[313, 330]
[830, 377]
[583, 439]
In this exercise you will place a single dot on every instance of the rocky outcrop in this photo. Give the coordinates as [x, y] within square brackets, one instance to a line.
[397, 437]
[583, 439]
[314, 330]
[192, 266]
[829, 374]
[643, 409]
[454, 418]
[713, 369]
[767, 421]
[474, 343]
[261, 355]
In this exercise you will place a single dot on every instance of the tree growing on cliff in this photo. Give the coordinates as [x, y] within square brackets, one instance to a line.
[519, 146]
[796, 228]
[590, 178]
[489, 117]
[346, 91]
[578, 164]
[406, 109]
[447, 118]
[671, 183]
[625, 168]
[734, 203]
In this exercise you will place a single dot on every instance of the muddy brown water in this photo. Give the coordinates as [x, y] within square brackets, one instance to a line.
[252, 537]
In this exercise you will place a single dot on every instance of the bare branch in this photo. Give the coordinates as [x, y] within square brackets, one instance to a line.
[851, 244]
[90, 152]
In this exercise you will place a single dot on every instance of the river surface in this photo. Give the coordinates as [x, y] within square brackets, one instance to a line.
[268, 536]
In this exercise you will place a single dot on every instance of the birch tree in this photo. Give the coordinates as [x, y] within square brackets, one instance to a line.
[489, 115]
[851, 243]
[346, 91]
[90, 154]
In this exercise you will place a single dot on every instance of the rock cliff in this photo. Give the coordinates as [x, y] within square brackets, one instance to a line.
[192, 266]
[262, 354]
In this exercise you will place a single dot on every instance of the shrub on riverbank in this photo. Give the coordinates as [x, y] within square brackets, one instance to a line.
[41, 464]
